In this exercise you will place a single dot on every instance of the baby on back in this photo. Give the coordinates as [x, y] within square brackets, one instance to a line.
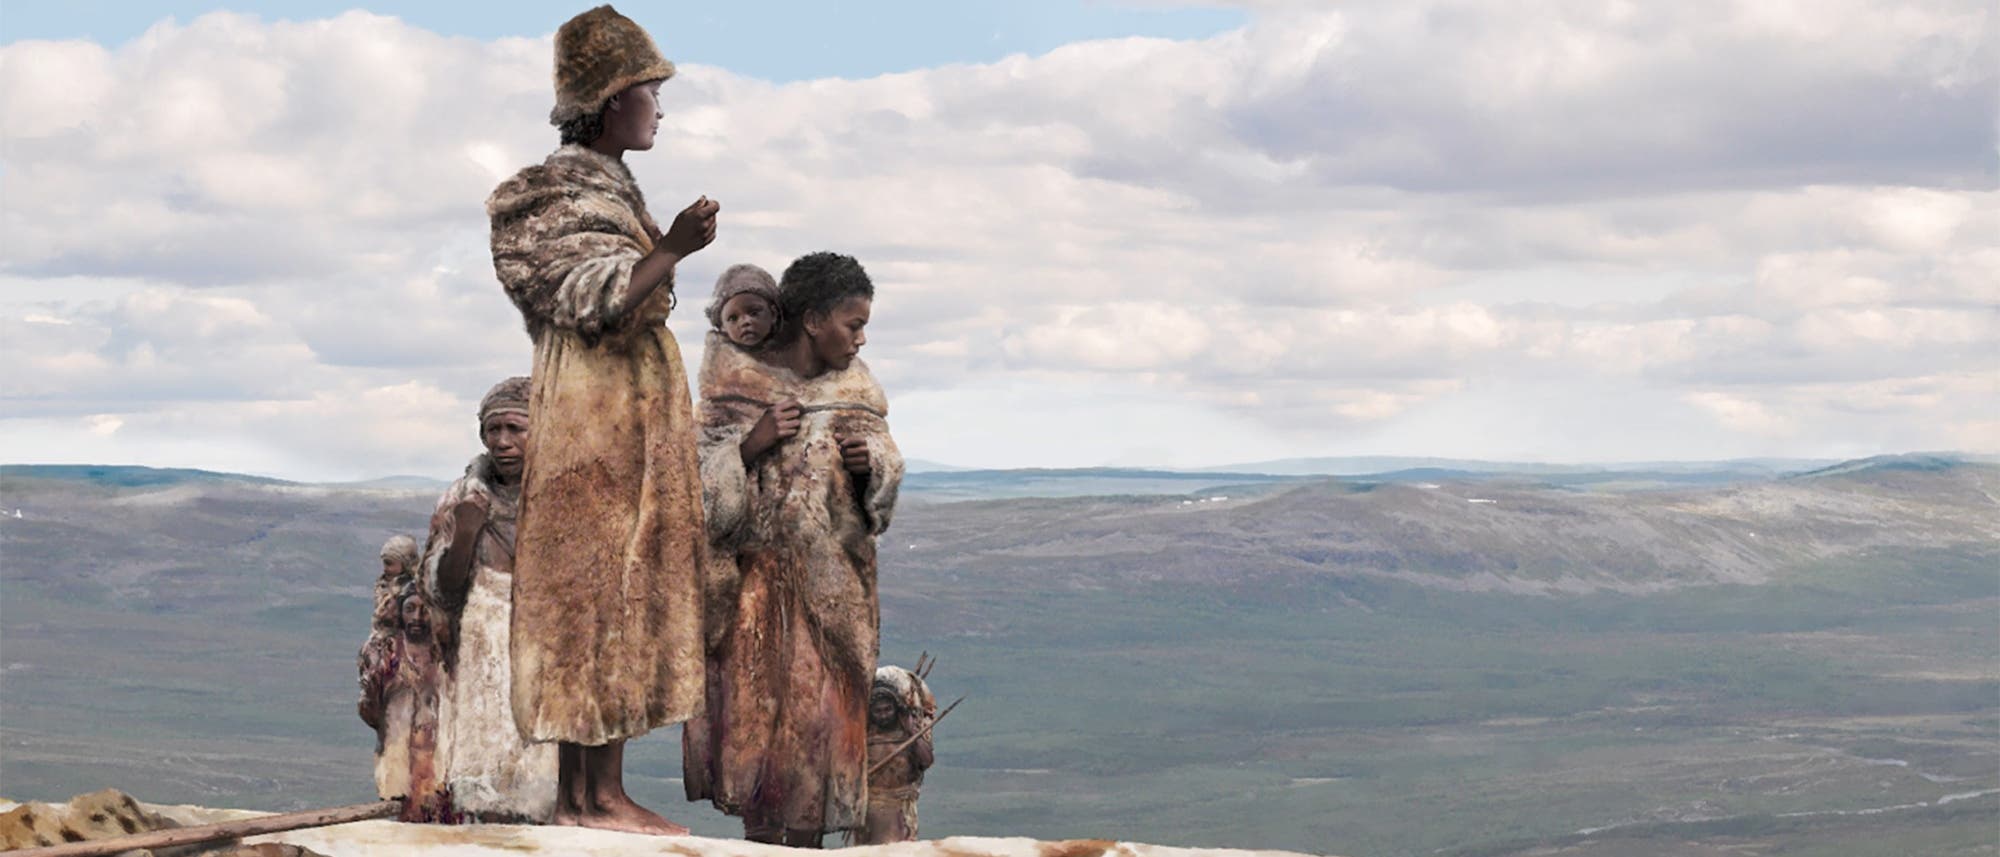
[745, 311]
[745, 306]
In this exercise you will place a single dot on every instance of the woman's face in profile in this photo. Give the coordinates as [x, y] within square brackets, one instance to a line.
[838, 339]
[634, 121]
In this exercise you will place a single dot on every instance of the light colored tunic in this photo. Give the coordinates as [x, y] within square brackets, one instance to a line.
[494, 775]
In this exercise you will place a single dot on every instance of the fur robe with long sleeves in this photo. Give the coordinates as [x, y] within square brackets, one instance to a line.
[784, 739]
[607, 620]
[494, 776]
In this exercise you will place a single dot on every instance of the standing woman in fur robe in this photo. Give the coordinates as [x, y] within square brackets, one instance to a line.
[794, 618]
[606, 641]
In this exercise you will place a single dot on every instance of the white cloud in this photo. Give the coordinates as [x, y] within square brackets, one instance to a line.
[1274, 227]
[1742, 414]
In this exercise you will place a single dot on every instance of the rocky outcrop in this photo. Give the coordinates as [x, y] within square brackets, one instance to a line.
[395, 839]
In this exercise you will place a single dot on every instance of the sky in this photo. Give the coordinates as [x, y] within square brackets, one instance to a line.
[251, 238]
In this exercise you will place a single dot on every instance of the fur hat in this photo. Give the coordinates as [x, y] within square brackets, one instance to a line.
[740, 279]
[598, 54]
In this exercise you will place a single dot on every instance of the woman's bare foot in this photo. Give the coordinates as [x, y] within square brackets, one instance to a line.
[620, 813]
[565, 817]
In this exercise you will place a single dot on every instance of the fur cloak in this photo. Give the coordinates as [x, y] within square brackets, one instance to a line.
[784, 738]
[408, 743]
[607, 606]
[494, 775]
[894, 789]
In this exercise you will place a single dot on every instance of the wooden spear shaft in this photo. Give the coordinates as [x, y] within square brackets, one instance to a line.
[913, 738]
[211, 832]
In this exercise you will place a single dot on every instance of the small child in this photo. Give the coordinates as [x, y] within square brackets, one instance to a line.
[399, 697]
[745, 306]
[899, 706]
[744, 311]
[399, 562]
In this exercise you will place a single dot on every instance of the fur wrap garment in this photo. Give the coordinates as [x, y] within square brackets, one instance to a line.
[793, 610]
[607, 623]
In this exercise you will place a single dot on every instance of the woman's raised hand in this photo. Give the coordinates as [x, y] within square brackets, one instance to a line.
[692, 229]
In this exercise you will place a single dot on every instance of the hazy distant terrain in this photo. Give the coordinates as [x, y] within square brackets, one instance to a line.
[1430, 660]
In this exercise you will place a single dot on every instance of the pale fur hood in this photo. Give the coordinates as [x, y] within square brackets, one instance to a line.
[907, 687]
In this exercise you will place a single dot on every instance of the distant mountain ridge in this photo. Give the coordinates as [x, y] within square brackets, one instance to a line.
[1371, 464]
[931, 481]
[128, 476]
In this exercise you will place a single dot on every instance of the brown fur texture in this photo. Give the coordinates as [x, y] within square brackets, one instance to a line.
[607, 625]
[783, 741]
[98, 815]
[109, 814]
[598, 54]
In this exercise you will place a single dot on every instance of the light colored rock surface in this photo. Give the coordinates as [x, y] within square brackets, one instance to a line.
[394, 839]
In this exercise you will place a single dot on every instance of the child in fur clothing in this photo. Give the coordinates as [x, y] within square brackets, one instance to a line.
[378, 654]
[793, 624]
[745, 306]
[399, 562]
[400, 698]
[744, 313]
[900, 705]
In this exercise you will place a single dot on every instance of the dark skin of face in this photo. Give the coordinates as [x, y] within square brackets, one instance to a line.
[829, 342]
[631, 120]
[416, 619]
[631, 124]
[505, 435]
[747, 319]
[835, 338]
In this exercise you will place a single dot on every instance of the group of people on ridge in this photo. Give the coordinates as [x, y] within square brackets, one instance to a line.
[618, 560]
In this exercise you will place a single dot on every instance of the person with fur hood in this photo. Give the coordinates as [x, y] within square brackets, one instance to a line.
[793, 613]
[468, 574]
[900, 712]
[606, 636]
[399, 564]
[400, 699]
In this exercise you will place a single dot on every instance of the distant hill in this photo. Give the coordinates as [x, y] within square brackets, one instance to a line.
[396, 483]
[959, 485]
[1920, 462]
[918, 465]
[124, 476]
[931, 481]
[1359, 465]
[133, 476]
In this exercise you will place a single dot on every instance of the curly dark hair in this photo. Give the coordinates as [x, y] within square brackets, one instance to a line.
[816, 283]
[583, 129]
